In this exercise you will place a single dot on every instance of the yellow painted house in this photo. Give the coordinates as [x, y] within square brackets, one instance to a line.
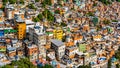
[58, 34]
[62, 12]
[21, 26]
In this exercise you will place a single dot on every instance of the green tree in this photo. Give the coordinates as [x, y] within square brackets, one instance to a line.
[37, 0]
[57, 11]
[40, 16]
[106, 22]
[99, 27]
[22, 2]
[4, 2]
[114, 20]
[95, 21]
[22, 63]
[90, 14]
[31, 6]
[64, 38]
[7, 66]
[45, 12]
[2, 8]
[48, 15]
[95, 4]
[86, 66]
[63, 24]
[36, 19]
[118, 0]
[117, 66]
[12, 1]
[106, 2]
[109, 63]
[117, 55]
[112, 0]
[47, 66]
[48, 2]
[43, 4]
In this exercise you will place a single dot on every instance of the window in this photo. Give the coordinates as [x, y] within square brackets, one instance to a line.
[36, 57]
[20, 37]
[63, 48]
[60, 53]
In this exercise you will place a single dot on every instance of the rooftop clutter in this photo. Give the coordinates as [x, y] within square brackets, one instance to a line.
[68, 33]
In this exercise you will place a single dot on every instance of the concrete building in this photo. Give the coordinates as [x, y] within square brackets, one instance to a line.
[32, 52]
[42, 51]
[86, 28]
[2, 48]
[9, 32]
[71, 51]
[69, 40]
[58, 34]
[51, 54]
[20, 52]
[4, 60]
[1, 15]
[29, 24]
[21, 26]
[77, 38]
[97, 38]
[39, 39]
[11, 51]
[38, 36]
[9, 11]
[59, 48]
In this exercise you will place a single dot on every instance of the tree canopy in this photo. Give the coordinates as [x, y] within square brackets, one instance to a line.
[63, 24]
[40, 16]
[22, 2]
[47, 2]
[84, 66]
[22, 63]
[117, 65]
[45, 14]
[4, 1]
[95, 4]
[90, 14]
[106, 2]
[2, 8]
[48, 15]
[36, 19]
[57, 11]
[46, 66]
[95, 21]
[106, 22]
[114, 20]
[117, 55]
[118, 0]
[12, 1]
[31, 6]
[109, 63]
[37, 0]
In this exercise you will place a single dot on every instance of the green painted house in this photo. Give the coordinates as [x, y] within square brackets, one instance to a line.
[10, 31]
[82, 47]
[95, 21]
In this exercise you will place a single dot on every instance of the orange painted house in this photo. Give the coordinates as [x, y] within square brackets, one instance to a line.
[32, 52]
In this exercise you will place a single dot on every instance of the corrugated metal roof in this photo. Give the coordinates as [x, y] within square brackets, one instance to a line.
[11, 48]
